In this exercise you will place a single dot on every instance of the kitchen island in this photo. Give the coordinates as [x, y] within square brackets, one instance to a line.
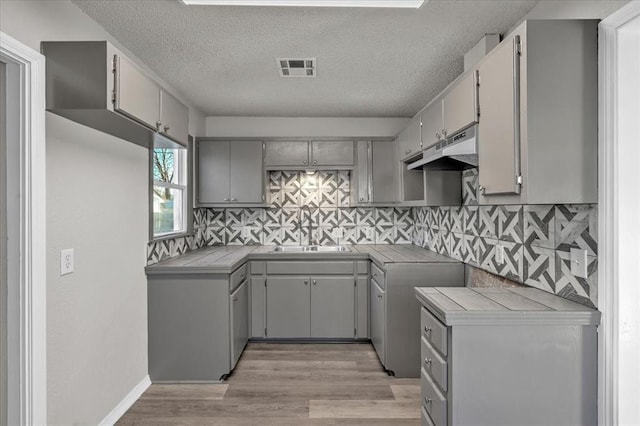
[206, 304]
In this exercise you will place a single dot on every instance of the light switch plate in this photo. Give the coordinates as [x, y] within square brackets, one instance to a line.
[66, 261]
[579, 263]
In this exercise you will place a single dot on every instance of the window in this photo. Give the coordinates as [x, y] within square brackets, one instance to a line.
[169, 167]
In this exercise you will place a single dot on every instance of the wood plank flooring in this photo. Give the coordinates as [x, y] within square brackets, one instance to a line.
[288, 384]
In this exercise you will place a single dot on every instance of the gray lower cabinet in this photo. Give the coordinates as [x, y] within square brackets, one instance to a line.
[239, 305]
[198, 325]
[288, 307]
[309, 300]
[377, 309]
[516, 356]
[395, 312]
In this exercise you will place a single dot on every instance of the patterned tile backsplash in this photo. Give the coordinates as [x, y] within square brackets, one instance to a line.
[536, 239]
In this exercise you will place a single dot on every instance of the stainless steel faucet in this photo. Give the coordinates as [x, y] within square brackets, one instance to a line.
[310, 225]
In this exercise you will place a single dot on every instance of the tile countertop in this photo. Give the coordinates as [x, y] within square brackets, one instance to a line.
[502, 306]
[225, 259]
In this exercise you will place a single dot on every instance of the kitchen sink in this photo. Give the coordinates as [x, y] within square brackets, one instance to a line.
[310, 249]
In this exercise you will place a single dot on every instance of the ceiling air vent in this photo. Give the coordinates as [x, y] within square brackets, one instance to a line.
[304, 67]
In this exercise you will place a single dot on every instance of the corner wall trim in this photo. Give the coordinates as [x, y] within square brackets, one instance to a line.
[127, 402]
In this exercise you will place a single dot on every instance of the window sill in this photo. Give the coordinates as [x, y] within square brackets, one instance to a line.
[171, 236]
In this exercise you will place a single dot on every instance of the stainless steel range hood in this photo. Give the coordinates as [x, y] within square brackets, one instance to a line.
[458, 152]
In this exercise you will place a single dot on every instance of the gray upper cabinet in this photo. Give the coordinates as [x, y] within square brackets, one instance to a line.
[135, 94]
[174, 117]
[460, 105]
[499, 157]
[332, 307]
[432, 124]
[375, 177]
[230, 172]
[94, 84]
[410, 139]
[332, 153]
[286, 153]
[302, 154]
[537, 137]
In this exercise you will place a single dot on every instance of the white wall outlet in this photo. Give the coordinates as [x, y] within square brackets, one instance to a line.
[66, 261]
[499, 254]
[579, 263]
[426, 238]
[369, 233]
[338, 233]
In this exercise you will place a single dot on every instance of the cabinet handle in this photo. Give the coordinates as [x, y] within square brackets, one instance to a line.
[427, 362]
[158, 125]
[482, 189]
[306, 282]
[235, 299]
[427, 329]
[315, 282]
[166, 129]
[315, 161]
[234, 199]
[427, 400]
[379, 296]
[305, 162]
[361, 198]
[226, 199]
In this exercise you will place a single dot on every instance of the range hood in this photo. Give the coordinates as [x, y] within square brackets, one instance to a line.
[458, 152]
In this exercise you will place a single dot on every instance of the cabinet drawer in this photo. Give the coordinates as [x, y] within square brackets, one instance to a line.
[310, 268]
[238, 276]
[433, 401]
[433, 331]
[434, 364]
[378, 275]
[426, 420]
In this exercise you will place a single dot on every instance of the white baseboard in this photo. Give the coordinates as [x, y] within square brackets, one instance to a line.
[126, 403]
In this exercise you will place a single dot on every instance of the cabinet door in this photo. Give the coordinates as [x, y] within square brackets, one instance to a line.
[333, 307]
[410, 142]
[213, 172]
[432, 125]
[257, 306]
[174, 118]
[137, 96]
[332, 153]
[246, 172]
[383, 172]
[288, 307]
[377, 320]
[460, 105]
[499, 129]
[363, 171]
[286, 153]
[362, 307]
[239, 321]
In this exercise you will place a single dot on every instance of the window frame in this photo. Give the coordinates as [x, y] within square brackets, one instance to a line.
[186, 187]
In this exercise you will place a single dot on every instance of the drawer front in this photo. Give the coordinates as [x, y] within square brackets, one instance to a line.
[378, 275]
[238, 276]
[257, 268]
[433, 401]
[310, 268]
[434, 331]
[426, 419]
[434, 364]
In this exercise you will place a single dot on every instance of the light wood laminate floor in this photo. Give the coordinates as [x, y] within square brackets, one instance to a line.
[288, 384]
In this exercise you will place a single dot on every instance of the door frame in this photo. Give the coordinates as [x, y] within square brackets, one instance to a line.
[30, 344]
[616, 277]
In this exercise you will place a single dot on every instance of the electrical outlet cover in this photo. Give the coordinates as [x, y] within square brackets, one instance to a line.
[499, 254]
[66, 261]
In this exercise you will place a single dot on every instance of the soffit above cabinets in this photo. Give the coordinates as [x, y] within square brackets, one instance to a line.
[374, 62]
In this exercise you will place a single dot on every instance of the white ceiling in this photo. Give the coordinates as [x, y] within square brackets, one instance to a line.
[371, 62]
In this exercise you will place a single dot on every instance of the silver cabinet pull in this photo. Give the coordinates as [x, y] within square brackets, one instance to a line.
[315, 282]
[305, 162]
[427, 400]
[427, 362]
[226, 199]
[234, 199]
[427, 329]
[306, 282]
[315, 161]
[361, 198]
[379, 296]
[166, 129]
[158, 125]
[235, 299]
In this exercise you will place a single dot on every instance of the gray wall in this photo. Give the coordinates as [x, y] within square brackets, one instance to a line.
[304, 126]
[97, 203]
[3, 250]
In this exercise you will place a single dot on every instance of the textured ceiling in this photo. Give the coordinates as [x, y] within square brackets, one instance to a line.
[371, 62]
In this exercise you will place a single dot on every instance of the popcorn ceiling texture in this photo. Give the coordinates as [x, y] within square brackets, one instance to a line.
[537, 239]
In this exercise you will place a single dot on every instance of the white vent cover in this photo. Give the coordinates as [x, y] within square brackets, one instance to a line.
[298, 67]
